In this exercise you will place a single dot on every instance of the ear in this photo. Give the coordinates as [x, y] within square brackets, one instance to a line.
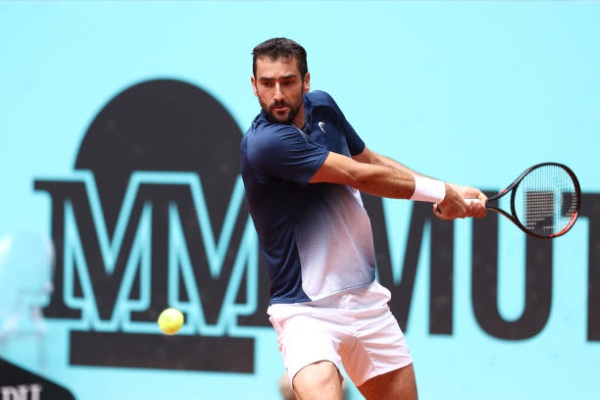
[307, 82]
[254, 89]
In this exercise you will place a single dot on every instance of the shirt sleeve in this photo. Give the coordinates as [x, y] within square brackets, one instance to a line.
[285, 152]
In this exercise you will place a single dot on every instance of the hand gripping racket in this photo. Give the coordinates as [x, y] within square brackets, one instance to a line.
[544, 200]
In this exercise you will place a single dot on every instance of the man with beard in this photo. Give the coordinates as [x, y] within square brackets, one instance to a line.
[303, 167]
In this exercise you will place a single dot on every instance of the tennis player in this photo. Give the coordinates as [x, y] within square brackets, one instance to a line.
[303, 167]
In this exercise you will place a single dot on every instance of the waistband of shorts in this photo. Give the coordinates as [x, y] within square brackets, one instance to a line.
[366, 297]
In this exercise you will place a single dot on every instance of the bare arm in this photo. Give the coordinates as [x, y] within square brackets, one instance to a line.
[370, 178]
[381, 176]
[370, 157]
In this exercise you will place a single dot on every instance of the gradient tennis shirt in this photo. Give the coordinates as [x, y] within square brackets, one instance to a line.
[316, 238]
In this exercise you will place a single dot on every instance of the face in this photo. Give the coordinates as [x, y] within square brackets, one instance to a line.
[279, 88]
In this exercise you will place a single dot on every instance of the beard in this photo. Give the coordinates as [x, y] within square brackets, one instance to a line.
[286, 117]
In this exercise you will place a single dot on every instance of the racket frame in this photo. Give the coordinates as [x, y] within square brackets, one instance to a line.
[512, 189]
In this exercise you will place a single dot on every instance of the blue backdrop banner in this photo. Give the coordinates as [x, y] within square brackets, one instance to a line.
[119, 131]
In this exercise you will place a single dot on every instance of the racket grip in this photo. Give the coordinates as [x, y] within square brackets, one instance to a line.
[468, 201]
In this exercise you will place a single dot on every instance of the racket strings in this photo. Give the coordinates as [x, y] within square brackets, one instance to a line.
[546, 200]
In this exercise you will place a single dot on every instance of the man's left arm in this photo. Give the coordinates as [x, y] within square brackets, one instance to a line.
[368, 156]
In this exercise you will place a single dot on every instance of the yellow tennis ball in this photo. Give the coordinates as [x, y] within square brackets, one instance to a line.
[170, 321]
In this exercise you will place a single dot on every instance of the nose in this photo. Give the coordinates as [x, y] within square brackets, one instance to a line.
[278, 95]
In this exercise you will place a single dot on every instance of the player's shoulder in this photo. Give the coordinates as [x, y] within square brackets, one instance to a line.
[319, 101]
[318, 98]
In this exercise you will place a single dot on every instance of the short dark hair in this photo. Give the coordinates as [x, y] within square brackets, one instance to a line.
[277, 48]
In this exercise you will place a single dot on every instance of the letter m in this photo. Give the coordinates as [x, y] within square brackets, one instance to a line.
[162, 240]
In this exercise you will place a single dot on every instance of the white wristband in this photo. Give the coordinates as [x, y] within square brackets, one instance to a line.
[427, 189]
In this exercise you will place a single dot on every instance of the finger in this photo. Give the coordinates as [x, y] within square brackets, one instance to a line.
[437, 211]
[476, 208]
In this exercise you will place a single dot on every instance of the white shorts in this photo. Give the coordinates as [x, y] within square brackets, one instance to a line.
[355, 329]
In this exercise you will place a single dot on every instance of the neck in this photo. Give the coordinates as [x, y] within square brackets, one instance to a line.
[300, 120]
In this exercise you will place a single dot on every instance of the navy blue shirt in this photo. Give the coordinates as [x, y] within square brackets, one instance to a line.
[316, 238]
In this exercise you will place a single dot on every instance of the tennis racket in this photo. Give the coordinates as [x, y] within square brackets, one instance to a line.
[544, 200]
